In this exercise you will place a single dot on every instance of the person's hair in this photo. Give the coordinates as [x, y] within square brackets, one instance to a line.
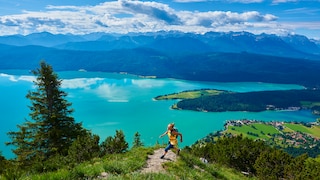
[171, 125]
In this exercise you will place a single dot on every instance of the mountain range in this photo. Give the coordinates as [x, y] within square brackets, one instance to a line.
[213, 56]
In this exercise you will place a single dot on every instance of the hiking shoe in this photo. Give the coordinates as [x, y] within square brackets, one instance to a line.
[178, 151]
[162, 157]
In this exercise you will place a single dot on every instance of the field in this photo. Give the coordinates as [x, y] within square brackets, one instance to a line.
[265, 131]
[314, 130]
[190, 94]
[254, 131]
[297, 127]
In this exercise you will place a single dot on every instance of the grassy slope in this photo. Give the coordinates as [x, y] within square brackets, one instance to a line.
[261, 129]
[298, 127]
[127, 166]
[313, 131]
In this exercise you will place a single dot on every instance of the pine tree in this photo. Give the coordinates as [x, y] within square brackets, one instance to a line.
[106, 147]
[113, 145]
[119, 142]
[137, 141]
[52, 128]
[25, 150]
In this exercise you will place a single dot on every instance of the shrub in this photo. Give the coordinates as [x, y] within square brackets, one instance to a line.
[271, 164]
[84, 148]
[236, 152]
[116, 144]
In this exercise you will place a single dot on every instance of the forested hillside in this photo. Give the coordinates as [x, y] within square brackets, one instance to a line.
[219, 67]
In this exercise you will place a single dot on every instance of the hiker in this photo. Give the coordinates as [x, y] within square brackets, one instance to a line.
[173, 142]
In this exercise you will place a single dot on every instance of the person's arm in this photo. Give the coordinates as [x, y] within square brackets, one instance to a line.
[163, 134]
[180, 137]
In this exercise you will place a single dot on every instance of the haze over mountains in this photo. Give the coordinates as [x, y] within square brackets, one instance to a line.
[233, 56]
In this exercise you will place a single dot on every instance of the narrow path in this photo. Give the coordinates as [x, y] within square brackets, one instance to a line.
[154, 163]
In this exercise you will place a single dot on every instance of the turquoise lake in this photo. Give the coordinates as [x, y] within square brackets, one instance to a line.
[106, 102]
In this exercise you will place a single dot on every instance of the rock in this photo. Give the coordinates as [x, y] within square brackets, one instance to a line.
[104, 174]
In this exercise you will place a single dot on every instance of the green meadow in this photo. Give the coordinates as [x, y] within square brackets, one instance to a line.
[190, 94]
[313, 130]
[258, 130]
[265, 131]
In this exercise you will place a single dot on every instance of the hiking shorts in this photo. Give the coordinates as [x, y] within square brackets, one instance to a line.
[168, 147]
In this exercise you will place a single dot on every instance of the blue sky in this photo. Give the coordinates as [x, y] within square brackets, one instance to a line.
[122, 16]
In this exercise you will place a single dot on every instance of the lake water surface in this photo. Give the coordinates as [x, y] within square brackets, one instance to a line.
[107, 102]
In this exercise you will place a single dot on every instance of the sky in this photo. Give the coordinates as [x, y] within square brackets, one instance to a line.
[279, 17]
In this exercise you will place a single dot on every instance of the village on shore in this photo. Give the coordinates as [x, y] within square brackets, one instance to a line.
[304, 135]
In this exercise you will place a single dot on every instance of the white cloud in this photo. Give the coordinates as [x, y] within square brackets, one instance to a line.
[218, 19]
[283, 1]
[10, 77]
[147, 83]
[125, 16]
[189, 1]
[299, 25]
[303, 10]
[112, 92]
[27, 78]
[154, 10]
[239, 1]
[246, 1]
[276, 2]
[83, 83]
[106, 124]
[18, 78]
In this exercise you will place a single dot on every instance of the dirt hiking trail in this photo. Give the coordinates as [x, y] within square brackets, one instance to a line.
[154, 162]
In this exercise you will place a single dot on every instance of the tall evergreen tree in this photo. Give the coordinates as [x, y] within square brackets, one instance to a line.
[52, 128]
[137, 141]
[119, 142]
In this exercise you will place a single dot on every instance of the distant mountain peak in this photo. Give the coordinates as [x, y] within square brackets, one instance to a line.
[297, 46]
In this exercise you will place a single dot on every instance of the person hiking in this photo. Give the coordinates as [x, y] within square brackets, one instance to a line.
[173, 142]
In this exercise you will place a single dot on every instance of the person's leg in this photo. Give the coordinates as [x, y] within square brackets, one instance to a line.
[177, 150]
[166, 150]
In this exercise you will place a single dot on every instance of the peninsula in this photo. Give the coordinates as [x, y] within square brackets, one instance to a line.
[220, 101]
